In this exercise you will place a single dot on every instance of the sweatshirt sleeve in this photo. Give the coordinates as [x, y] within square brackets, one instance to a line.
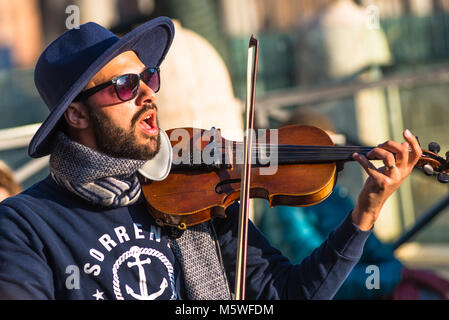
[381, 255]
[270, 275]
[24, 272]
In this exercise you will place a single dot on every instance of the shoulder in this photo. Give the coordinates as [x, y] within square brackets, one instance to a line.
[28, 195]
[42, 191]
[40, 199]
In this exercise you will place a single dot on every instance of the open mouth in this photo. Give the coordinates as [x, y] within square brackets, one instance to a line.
[148, 124]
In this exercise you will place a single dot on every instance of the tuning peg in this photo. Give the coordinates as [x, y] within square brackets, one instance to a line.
[434, 147]
[428, 169]
[443, 177]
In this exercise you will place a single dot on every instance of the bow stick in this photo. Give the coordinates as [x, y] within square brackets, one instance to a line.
[240, 274]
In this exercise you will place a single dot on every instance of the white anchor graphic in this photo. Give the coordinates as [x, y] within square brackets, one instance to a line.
[143, 280]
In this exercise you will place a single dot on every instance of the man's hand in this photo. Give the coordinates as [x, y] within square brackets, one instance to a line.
[399, 160]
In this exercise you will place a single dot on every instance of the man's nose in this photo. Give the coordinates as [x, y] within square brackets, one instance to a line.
[145, 95]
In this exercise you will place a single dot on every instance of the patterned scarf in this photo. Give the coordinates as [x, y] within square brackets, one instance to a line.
[113, 182]
[94, 176]
[204, 276]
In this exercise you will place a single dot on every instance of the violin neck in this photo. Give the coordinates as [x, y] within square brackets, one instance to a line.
[318, 154]
[264, 155]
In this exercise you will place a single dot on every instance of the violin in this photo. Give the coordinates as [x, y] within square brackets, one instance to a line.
[304, 174]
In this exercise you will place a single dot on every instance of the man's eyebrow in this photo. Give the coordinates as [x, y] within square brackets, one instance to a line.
[122, 74]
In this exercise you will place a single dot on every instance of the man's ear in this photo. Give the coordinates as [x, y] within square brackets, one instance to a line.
[77, 115]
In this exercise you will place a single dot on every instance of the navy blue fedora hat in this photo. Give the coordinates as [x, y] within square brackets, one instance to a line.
[68, 63]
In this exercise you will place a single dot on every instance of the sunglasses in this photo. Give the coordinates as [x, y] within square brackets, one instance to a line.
[127, 86]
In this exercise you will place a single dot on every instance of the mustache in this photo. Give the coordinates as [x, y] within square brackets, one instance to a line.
[146, 108]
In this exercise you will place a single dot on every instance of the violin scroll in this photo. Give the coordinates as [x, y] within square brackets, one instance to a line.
[433, 164]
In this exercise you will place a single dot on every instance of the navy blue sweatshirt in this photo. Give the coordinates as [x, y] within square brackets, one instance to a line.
[55, 245]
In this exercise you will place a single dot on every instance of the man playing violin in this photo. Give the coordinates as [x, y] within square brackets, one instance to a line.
[84, 232]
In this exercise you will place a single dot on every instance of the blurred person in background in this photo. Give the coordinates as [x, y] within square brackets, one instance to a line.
[208, 99]
[297, 231]
[8, 184]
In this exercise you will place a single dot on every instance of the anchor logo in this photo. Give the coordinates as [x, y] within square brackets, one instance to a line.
[135, 253]
[143, 279]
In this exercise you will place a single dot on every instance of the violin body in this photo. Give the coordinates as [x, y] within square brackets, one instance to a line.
[196, 191]
[194, 194]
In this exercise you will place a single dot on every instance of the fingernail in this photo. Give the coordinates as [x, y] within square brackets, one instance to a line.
[408, 133]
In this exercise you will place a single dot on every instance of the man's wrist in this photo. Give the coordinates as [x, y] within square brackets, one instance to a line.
[364, 220]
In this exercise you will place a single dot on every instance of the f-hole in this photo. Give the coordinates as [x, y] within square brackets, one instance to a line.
[220, 186]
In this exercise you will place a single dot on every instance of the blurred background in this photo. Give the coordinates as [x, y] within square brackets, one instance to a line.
[373, 67]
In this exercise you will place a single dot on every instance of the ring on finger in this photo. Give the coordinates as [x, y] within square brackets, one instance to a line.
[388, 168]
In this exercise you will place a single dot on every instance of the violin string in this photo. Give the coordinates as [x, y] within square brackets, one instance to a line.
[302, 157]
[299, 145]
[294, 153]
[300, 150]
[292, 150]
[302, 146]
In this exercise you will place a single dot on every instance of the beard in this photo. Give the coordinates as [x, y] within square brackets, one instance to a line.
[120, 143]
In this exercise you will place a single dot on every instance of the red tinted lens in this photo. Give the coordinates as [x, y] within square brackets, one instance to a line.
[127, 86]
[151, 78]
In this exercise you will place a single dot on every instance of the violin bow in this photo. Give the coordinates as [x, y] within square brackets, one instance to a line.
[240, 274]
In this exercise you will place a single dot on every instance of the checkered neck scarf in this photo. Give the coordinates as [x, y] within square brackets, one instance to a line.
[94, 176]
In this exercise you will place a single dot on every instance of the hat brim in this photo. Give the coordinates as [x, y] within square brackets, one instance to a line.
[151, 42]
